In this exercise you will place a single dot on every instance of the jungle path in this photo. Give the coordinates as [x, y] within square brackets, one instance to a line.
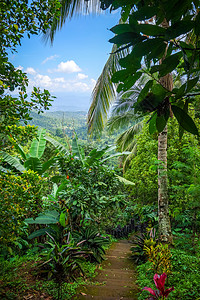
[116, 279]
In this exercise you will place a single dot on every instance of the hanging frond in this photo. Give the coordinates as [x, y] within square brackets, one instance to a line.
[128, 159]
[120, 121]
[125, 142]
[104, 93]
[69, 9]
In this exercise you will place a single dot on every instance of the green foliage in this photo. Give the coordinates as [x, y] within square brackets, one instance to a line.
[89, 238]
[183, 175]
[160, 256]
[17, 19]
[184, 277]
[82, 194]
[20, 198]
[139, 244]
[32, 159]
[153, 35]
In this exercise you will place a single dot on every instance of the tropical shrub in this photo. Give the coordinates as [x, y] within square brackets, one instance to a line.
[159, 281]
[160, 256]
[139, 242]
[90, 191]
[20, 198]
[88, 238]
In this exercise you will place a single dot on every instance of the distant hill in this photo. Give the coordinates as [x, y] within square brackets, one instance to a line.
[62, 123]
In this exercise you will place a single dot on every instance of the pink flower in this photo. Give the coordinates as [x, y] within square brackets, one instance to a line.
[159, 281]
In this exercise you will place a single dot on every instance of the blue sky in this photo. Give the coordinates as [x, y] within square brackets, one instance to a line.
[70, 67]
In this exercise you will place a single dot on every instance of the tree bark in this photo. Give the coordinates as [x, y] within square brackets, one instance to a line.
[164, 224]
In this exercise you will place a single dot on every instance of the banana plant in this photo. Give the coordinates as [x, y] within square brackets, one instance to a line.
[32, 159]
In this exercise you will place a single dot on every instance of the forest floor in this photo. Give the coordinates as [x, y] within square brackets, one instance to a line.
[116, 277]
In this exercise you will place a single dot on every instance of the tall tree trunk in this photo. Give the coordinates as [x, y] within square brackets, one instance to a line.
[164, 224]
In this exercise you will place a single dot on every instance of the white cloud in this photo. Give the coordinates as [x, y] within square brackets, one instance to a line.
[30, 71]
[68, 67]
[19, 68]
[43, 80]
[52, 57]
[65, 83]
[82, 76]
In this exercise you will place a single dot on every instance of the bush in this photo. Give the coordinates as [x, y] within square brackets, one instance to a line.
[20, 198]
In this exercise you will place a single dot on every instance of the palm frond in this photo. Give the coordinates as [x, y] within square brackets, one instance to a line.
[120, 121]
[104, 93]
[128, 159]
[127, 138]
[69, 9]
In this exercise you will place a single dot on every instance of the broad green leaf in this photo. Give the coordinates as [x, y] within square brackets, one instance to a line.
[130, 81]
[38, 145]
[131, 62]
[169, 64]
[146, 47]
[48, 164]
[39, 232]
[12, 161]
[42, 220]
[144, 12]
[145, 90]
[50, 217]
[178, 29]
[191, 83]
[184, 120]
[76, 149]
[197, 25]
[186, 87]
[152, 124]
[125, 181]
[56, 144]
[120, 76]
[62, 219]
[125, 38]
[121, 28]
[160, 123]
[151, 30]
[33, 163]
[18, 147]
[116, 155]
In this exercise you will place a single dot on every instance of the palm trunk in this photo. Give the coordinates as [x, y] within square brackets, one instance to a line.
[164, 224]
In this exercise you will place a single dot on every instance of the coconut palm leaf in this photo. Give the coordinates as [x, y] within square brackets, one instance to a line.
[104, 93]
[125, 142]
[12, 161]
[120, 121]
[69, 9]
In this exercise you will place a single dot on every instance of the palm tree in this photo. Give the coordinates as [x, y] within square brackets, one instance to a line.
[104, 94]
[70, 9]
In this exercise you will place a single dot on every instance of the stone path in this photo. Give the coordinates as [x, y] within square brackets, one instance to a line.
[117, 278]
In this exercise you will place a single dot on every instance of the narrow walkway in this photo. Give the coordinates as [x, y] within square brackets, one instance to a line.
[117, 279]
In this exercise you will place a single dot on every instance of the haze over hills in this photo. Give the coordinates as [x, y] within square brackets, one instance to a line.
[68, 102]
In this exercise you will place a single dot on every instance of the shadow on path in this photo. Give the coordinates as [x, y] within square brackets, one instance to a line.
[116, 279]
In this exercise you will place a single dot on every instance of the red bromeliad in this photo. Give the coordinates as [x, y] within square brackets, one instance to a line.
[159, 281]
